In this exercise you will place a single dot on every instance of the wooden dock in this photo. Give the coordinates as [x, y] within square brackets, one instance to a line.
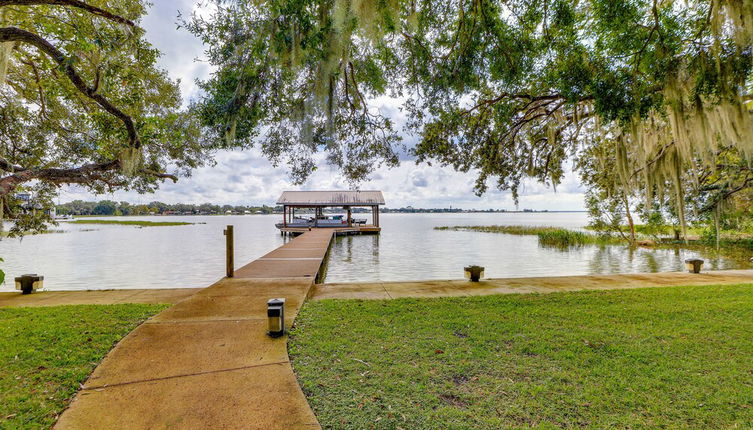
[339, 231]
[207, 362]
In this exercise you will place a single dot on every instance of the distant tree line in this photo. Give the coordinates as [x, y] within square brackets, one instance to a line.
[411, 209]
[109, 207]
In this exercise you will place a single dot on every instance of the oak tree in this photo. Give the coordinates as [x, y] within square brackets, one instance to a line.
[82, 101]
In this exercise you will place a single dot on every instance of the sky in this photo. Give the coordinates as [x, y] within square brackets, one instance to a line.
[247, 178]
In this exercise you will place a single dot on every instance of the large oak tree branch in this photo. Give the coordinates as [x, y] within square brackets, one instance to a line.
[85, 174]
[10, 167]
[13, 34]
[71, 3]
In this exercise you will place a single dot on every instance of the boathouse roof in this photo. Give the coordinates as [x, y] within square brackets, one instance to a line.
[331, 198]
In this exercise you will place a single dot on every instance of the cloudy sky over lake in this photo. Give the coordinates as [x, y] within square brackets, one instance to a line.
[245, 177]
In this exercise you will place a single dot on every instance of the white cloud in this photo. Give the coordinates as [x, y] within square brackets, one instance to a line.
[245, 177]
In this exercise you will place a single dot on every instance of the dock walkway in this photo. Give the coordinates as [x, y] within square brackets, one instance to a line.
[207, 362]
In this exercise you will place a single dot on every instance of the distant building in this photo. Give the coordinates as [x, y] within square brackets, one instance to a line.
[27, 205]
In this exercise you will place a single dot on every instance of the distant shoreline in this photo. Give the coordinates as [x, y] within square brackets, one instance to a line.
[388, 211]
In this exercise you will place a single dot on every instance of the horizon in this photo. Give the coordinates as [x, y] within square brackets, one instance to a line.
[275, 205]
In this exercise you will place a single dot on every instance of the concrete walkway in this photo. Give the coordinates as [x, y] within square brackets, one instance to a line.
[393, 290]
[95, 297]
[207, 363]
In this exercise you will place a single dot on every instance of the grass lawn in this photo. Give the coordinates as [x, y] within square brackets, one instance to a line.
[46, 352]
[124, 222]
[679, 357]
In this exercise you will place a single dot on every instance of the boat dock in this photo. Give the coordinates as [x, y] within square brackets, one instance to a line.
[315, 202]
[207, 362]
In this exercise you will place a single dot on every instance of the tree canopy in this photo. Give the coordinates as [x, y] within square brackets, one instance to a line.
[509, 89]
[82, 101]
[645, 96]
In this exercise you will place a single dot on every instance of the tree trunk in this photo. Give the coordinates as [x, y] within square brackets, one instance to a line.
[716, 225]
[629, 217]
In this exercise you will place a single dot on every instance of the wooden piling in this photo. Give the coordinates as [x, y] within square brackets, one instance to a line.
[229, 252]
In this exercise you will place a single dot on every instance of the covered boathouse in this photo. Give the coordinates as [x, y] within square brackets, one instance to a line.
[317, 201]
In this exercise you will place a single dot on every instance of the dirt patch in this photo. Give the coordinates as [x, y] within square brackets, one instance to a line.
[453, 400]
[460, 379]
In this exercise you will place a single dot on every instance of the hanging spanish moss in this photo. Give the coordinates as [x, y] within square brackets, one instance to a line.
[5, 52]
[732, 18]
[316, 50]
[667, 147]
[670, 144]
[130, 160]
[348, 20]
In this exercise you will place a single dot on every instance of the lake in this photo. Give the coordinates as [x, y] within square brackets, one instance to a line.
[111, 256]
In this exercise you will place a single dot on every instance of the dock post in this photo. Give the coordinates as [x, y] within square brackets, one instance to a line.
[229, 254]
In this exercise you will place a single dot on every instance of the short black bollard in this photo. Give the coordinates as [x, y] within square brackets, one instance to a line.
[474, 273]
[29, 282]
[276, 316]
[694, 265]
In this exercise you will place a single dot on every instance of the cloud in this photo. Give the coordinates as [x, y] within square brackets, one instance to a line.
[419, 180]
[246, 177]
[182, 54]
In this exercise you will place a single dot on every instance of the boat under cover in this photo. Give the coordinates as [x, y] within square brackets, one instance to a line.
[320, 222]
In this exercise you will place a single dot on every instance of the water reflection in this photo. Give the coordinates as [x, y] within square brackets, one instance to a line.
[409, 249]
[111, 256]
[114, 256]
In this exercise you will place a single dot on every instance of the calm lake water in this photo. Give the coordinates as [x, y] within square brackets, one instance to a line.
[102, 256]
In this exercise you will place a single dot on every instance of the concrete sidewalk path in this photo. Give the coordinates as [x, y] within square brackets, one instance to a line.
[394, 290]
[207, 363]
[95, 297]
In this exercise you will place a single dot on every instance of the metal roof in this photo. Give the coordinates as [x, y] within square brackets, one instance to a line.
[331, 198]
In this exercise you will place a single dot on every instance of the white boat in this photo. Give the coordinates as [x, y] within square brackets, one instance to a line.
[331, 221]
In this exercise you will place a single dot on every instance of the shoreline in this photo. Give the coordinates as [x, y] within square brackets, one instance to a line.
[385, 290]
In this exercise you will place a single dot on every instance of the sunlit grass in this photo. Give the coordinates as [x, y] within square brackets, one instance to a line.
[676, 357]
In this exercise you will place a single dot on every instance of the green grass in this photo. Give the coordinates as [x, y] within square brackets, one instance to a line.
[505, 229]
[676, 357]
[549, 236]
[563, 237]
[46, 352]
[136, 223]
